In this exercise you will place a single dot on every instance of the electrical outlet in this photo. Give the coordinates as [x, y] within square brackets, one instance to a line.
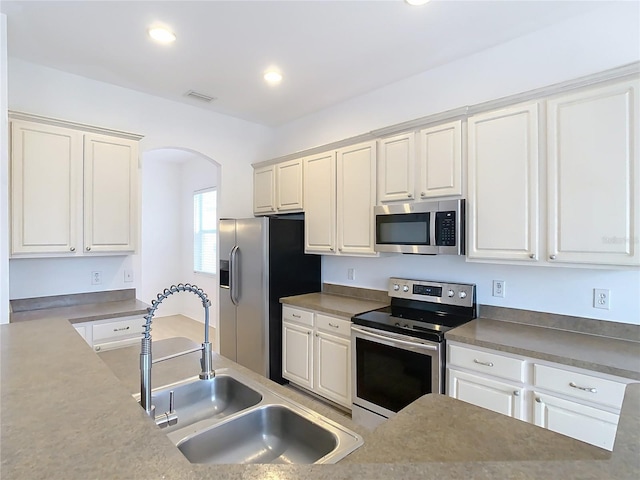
[499, 287]
[128, 276]
[351, 273]
[96, 278]
[601, 298]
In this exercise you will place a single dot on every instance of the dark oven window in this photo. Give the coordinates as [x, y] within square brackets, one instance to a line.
[391, 377]
[403, 229]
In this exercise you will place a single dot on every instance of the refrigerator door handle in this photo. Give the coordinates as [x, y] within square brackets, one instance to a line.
[233, 277]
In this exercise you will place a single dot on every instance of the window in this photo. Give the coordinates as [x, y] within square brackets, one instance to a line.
[204, 231]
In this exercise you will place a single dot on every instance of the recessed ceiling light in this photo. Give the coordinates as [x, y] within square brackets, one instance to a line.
[162, 35]
[273, 77]
[416, 3]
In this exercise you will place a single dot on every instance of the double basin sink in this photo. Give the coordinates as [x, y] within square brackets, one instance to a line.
[232, 419]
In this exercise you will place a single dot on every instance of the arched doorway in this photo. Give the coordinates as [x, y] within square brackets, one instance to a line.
[170, 178]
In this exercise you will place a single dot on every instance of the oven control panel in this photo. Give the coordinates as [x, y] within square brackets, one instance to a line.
[460, 294]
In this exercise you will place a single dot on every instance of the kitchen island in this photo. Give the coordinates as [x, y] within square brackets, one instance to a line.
[66, 415]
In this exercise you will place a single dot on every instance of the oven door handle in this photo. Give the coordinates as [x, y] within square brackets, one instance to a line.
[393, 339]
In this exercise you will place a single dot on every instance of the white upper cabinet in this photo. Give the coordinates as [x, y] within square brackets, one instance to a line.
[339, 195]
[356, 186]
[440, 160]
[110, 193]
[278, 188]
[264, 190]
[502, 205]
[593, 176]
[289, 186]
[396, 165]
[72, 192]
[432, 168]
[320, 203]
[45, 196]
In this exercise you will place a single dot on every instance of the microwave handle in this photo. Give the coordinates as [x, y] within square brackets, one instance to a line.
[432, 228]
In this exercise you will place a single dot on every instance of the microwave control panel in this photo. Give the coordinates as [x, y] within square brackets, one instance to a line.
[446, 229]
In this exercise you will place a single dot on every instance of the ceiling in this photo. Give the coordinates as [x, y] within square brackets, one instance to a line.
[328, 51]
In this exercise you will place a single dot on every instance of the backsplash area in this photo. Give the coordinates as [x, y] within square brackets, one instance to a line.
[564, 291]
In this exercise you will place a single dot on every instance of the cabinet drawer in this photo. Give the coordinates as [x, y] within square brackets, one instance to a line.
[487, 363]
[334, 325]
[579, 385]
[295, 315]
[120, 328]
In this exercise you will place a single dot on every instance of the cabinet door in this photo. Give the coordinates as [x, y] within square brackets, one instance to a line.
[500, 397]
[46, 169]
[320, 203]
[289, 186]
[594, 175]
[356, 187]
[581, 422]
[264, 190]
[297, 354]
[396, 168]
[503, 184]
[440, 160]
[110, 193]
[333, 372]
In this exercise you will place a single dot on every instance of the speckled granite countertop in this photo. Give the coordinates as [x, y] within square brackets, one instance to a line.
[78, 308]
[65, 415]
[337, 301]
[593, 352]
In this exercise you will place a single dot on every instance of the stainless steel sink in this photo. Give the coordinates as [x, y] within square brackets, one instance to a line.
[234, 419]
[196, 400]
[270, 434]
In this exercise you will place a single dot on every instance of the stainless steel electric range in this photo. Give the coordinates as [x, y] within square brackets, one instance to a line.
[398, 352]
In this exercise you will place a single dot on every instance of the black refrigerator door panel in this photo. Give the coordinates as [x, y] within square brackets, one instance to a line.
[291, 272]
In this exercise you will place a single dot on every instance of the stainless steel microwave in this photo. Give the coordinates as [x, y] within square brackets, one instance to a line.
[427, 228]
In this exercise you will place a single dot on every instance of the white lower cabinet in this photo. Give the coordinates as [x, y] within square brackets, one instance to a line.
[500, 397]
[581, 404]
[112, 333]
[568, 417]
[297, 351]
[316, 353]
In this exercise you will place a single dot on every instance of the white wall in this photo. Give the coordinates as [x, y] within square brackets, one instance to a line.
[169, 179]
[4, 177]
[604, 38]
[197, 174]
[161, 239]
[233, 143]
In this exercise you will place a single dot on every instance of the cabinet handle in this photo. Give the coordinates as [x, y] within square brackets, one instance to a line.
[72, 249]
[486, 364]
[97, 349]
[409, 195]
[317, 335]
[538, 399]
[334, 326]
[516, 393]
[340, 249]
[586, 389]
[295, 316]
[308, 333]
[121, 329]
[88, 249]
[552, 257]
[532, 256]
[331, 248]
[422, 194]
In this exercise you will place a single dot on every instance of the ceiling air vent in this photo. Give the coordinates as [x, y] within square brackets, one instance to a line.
[199, 96]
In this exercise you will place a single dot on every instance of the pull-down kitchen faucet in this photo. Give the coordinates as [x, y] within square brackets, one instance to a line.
[145, 353]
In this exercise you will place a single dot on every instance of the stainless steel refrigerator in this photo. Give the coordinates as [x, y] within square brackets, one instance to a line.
[261, 260]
